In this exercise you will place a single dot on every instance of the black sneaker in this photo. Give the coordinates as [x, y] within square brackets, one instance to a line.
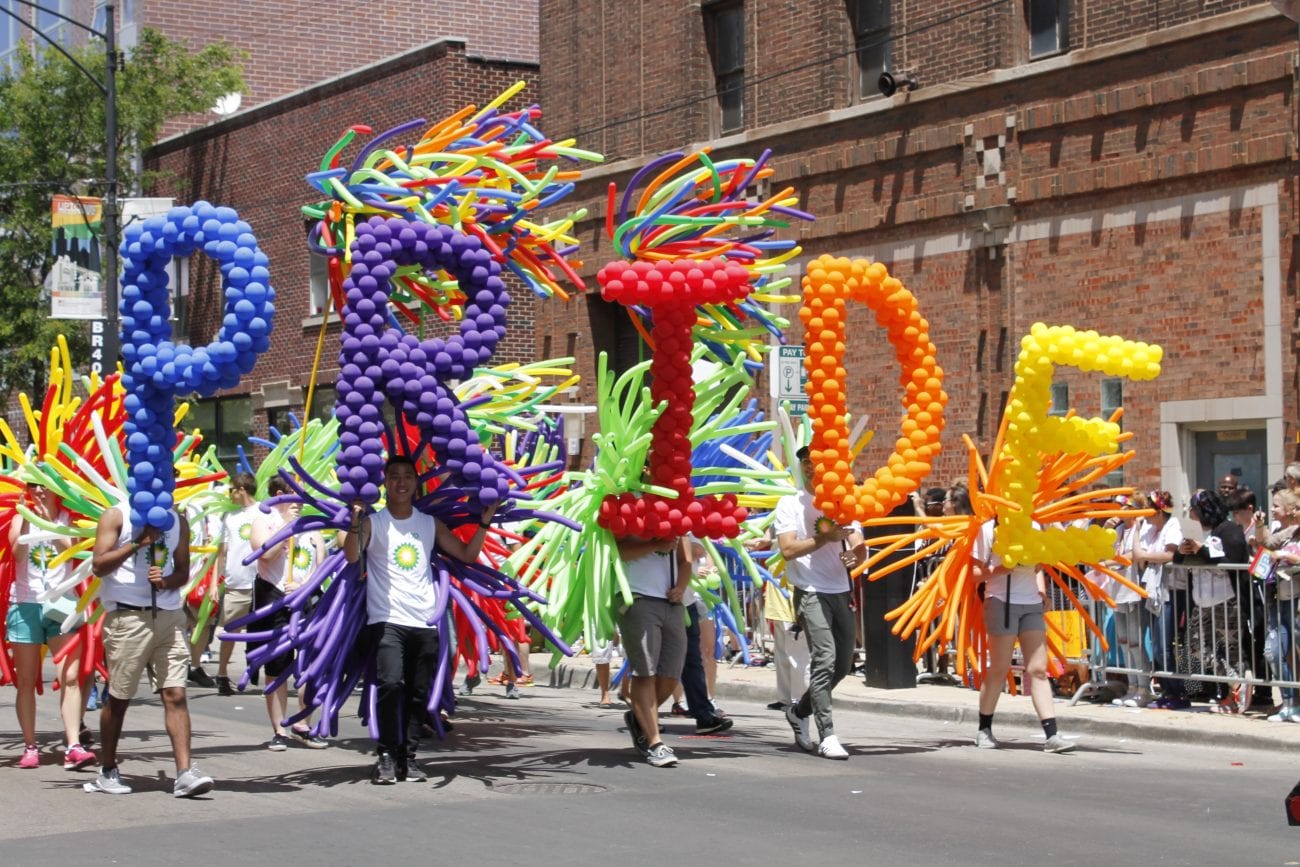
[713, 726]
[224, 686]
[385, 772]
[86, 736]
[199, 677]
[639, 740]
[409, 772]
[278, 744]
[776, 705]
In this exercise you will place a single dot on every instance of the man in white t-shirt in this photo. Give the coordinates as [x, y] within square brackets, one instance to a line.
[234, 549]
[401, 601]
[143, 571]
[818, 556]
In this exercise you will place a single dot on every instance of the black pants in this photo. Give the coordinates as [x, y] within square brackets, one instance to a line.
[694, 684]
[405, 660]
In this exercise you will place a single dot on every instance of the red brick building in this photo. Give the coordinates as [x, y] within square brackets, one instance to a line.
[1121, 165]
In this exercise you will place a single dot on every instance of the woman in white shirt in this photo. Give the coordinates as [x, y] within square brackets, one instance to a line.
[1014, 599]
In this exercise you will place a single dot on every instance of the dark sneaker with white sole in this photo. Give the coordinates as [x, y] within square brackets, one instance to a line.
[713, 726]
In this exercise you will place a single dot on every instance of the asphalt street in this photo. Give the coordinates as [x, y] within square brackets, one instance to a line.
[551, 779]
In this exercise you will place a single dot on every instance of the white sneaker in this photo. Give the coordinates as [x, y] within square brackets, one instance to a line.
[1058, 744]
[830, 748]
[109, 782]
[985, 741]
[191, 782]
[1286, 714]
[800, 728]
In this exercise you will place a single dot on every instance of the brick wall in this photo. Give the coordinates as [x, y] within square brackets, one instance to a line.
[255, 162]
[292, 44]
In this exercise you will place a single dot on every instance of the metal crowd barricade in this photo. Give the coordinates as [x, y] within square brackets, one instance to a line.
[1239, 642]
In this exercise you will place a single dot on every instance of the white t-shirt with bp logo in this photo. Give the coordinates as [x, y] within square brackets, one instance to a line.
[237, 530]
[34, 573]
[399, 583]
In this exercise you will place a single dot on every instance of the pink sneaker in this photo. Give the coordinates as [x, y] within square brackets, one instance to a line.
[77, 758]
[31, 757]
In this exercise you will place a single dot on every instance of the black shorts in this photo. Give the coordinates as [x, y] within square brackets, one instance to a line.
[265, 593]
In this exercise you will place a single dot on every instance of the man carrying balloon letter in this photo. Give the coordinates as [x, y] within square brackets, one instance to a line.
[143, 570]
[401, 602]
[818, 554]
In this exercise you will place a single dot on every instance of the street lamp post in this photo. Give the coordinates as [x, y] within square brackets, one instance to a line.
[111, 216]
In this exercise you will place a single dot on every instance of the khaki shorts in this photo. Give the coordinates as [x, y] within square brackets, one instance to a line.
[235, 604]
[136, 639]
[654, 637]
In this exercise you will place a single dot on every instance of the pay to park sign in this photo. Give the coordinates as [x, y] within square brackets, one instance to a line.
[789, 378]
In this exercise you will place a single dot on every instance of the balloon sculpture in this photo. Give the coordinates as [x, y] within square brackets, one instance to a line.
[830, 283]
[156, 368]
[1058, 491]
[682, 260]
[430, 225]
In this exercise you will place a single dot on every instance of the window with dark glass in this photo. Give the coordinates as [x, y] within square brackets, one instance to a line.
[227, 423]
[870, 20]
[1048, 33]
[613, 334]
[724, 26]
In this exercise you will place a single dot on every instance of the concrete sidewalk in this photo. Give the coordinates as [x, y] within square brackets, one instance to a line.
[960, 705]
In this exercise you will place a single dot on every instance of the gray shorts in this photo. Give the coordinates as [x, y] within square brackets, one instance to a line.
[654, 637]
[1023, 618]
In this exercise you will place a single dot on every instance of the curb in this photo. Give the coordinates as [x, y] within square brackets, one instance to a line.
[569, 676]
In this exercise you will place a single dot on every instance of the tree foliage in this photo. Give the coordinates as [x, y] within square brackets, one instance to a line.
[52, 141]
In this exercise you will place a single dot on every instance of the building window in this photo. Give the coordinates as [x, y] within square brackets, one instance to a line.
[10, 35]
[279, 419]
[1048, 33]
[318, 283]
[50, 23]
[870, 20]
[1112, 398]
[227, 422]
[1060, 398]
[724, 28]
[614, 335]
[322, 402]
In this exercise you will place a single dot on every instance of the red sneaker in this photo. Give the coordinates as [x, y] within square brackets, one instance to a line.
[31, 757]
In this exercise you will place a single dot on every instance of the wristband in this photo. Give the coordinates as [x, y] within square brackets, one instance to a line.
[485, 526]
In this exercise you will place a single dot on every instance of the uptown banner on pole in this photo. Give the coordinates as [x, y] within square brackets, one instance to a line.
[73, 282]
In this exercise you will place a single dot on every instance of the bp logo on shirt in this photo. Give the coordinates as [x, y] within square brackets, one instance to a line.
[406, 557]
[41, 555]
[246, 531]
[302, 558]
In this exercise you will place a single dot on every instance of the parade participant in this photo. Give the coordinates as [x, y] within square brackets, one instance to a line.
[401, 601]
[31, 624]
[1013, 610]
[694, 677]
[274, 579]
[654, 636]
[237, 577]
[142, 571]
[818, 552]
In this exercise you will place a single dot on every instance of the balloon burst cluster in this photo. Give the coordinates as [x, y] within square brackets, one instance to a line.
[156, 367]
[688, 208]
[828, 286]
[478, 171]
